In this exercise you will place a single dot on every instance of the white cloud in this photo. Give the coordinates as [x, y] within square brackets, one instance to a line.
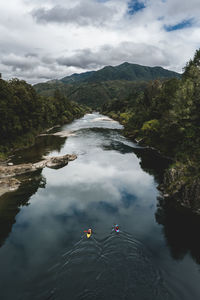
[112, 55]
[67, 37]
[83, 14]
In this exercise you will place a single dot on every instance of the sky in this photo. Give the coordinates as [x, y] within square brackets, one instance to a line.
[41, 40]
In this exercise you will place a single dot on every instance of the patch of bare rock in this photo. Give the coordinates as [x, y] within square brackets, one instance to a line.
[8, 182]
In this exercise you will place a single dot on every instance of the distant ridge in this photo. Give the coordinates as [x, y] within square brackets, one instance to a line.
[125, 71]
[97, 87]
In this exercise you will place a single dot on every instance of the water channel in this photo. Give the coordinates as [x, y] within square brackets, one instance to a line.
[44, 251]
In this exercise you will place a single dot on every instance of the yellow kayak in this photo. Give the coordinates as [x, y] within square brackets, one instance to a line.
[89, 233]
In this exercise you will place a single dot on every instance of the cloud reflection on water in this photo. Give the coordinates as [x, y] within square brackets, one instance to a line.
[96, 190]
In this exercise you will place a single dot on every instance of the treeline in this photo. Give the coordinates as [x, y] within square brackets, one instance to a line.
[98, 87]
[24, 113]
[92, 94]
[166, 115]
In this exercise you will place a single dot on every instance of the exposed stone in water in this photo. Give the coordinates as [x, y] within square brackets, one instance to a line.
[8, 183]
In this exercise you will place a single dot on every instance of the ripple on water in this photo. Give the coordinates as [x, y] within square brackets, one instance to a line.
[116, 267]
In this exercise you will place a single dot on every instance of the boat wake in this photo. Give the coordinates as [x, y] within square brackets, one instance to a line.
[117, 267]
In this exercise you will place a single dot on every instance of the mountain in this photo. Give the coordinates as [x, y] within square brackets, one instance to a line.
[125, 71]
[74, 78]
[98, 87]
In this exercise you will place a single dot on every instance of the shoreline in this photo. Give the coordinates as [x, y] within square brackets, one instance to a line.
[8, 174]
[180, 187]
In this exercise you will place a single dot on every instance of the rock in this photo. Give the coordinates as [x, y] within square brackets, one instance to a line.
[8, 183]
[59, 162]
[64, 134]
[50, 162]
[165, 195]
[182, 188]
[61, 134]
[10, 164]
[138, 140]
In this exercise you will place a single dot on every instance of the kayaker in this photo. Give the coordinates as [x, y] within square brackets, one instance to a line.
[116, 228]
[89, 233]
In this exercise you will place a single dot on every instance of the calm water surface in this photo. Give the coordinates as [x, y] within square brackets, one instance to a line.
[44, 252]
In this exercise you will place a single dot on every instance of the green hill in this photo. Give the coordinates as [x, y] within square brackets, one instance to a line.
[92, 94]
[125, 71]
[98, 87]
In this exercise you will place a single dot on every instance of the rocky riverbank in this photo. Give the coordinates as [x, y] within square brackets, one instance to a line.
[182, 189]
[8, 174]
[181, 183]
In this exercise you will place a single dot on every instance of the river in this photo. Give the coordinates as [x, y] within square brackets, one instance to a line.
[44, 251]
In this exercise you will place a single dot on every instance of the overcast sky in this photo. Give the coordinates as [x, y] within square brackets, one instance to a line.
[49, 39]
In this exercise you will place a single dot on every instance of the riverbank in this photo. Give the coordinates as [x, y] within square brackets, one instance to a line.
[9, 175]
[181, 183]
[181, 187]
[24, 114]
[110, 182]
[165, 116]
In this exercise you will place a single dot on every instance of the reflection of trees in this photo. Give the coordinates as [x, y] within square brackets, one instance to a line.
[10, 203]
[152, 162]
[43, 145]
[181, 230]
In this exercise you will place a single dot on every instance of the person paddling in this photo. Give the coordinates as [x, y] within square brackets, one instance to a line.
[116, 228]
[89, 232]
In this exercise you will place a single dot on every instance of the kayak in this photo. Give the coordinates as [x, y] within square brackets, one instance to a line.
[89, 235]
[116, 227]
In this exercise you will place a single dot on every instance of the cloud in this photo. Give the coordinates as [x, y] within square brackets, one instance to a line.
[83, 14]
[182, 7]
[31, 67]
[108, 55]
[20, 62]
[55, 38]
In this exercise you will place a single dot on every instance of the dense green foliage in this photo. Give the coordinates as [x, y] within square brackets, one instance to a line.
[166, 115]
[110, 83]
[92, 94]
[125, 71]
[23, 113]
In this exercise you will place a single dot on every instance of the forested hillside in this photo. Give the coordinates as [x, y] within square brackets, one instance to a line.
[23, 113]
[166, 115]
[125, 71]
[92, 94]
[98, 87]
